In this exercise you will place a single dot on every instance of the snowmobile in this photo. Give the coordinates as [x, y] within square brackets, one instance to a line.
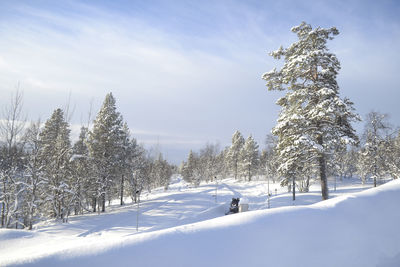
[234, 208]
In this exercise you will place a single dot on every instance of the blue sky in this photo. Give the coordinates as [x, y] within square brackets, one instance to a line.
[187, 72]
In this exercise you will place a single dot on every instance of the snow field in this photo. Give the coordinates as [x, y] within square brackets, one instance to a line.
[185, 227]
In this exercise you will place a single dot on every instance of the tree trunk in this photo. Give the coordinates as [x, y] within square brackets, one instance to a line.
[324, 181]
[307, 188]
[94, 204]
[103, 194]
[294, 188]
[322, 172]
[236, 170]
[122, 190]
[98, 205]
[2, 214]
[3, 207]
[31, 207]
[103, 202]
[62, 207]
[135, 191]
[78, 203]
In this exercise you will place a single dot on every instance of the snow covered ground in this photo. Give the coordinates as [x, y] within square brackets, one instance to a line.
[186, 227]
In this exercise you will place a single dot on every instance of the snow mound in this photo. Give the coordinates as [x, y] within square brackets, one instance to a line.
[360, 229]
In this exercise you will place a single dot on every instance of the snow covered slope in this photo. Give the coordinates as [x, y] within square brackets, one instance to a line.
[360, 229]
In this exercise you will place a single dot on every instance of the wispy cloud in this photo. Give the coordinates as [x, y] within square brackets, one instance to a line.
[188, 70]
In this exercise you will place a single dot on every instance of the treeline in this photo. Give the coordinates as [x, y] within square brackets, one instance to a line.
[43, 175]
[375, 157]
[241, 160]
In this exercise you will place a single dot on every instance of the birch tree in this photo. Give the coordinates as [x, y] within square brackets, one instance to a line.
[11, 127]
[34, 176]
[373, 156]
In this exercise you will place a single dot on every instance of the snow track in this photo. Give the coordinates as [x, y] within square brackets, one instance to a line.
[185, 227]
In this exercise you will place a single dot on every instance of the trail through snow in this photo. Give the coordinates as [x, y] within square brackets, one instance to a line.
[185, 226]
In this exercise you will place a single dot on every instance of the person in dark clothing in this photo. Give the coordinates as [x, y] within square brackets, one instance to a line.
[234, 208]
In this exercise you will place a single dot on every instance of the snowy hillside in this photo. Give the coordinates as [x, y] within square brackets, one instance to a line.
[185, 227]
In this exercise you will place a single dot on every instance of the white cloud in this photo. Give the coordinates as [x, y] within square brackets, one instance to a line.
[91, 55]
[193, 74]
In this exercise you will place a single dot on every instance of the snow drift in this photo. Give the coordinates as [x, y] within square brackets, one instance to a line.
[360, 229]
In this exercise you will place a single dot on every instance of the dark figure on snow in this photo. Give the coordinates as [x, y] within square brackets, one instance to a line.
[234, 208]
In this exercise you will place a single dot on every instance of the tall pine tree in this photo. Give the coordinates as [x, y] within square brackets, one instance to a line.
[105, 144]
[82, 183]
[313, 116]
[55, 154]
[249, 158]
[233, 155]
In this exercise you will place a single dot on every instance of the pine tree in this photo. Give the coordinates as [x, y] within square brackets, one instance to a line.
[249, 158]
[189, 168]
[233, 155]
[351, 159]
[82, 183]
[313, 116]
[293, 155]
[105, 143]
[127, 160]
[222, 165]
[140, 178]
[208, 161]
[55, 154]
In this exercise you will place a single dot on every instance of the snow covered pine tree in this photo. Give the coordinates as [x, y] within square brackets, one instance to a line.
[313, 117]
[81, 170]
[249, 158]
[105, 146]
[55, 154]
[233, 155]
[188, 168]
